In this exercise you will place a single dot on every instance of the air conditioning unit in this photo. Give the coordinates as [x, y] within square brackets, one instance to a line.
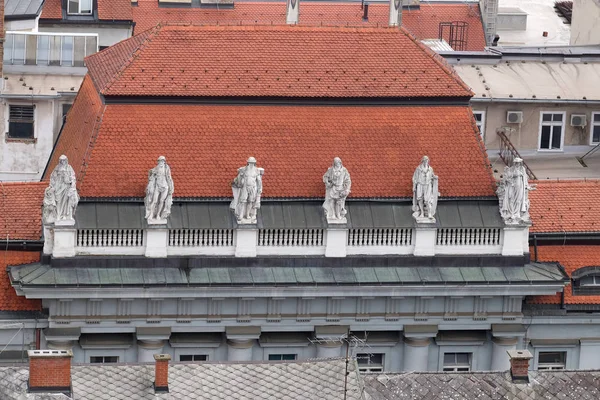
[514, 117]
[578, 120]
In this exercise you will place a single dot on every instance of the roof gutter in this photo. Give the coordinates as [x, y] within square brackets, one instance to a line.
[558, 238]
[22, 245]
[527, 100]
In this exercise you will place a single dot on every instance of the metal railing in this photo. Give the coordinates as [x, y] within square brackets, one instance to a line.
[508, 153]
[45, 48]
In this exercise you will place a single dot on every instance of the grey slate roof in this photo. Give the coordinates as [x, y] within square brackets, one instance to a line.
[318, 379]
[22, 9]
[547, 385]
[215, 271]
[289, 214]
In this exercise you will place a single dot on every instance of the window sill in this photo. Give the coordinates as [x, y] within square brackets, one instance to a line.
[20, 140]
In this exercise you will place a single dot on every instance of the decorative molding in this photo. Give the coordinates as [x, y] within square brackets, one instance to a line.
[334, 305]
[63, 311]
[480, 308]
[244, 313]
[124, 310]
[303, 309]
[422, 308]
[154, 311]
[93, 311]
[511, 307]
[363, 306]
[184, 310]
[451, 308]
[215, 305]
[392, 308]
[274, 309]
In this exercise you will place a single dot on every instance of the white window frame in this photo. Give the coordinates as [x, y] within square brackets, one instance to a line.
[281, 356]
[104, 353]
[457, 367]
[567, 348]
[480, 124]
[552, 123]
[7, 119]
[193, 355]
[592, 125]
[552, 367]
[370, 368]
[595, 279]
[79, 9]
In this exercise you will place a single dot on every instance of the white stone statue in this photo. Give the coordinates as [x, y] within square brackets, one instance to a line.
[60, 197]
[513, 194]
[425, 192]
[159, 193]
[337, 188]
[247, 189]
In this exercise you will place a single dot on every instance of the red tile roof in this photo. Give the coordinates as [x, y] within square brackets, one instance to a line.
[572, 258]
[565, 206]
[281, 61]
[77, 136]
[9, 301]
[108, 10]
[205, 144]
[21, 210]
[423, 22]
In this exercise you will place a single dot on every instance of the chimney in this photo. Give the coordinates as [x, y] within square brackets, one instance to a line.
[519, 365]
[161, 373]
[292, 15]
[50, 370]
[366, 12]
[396, 13]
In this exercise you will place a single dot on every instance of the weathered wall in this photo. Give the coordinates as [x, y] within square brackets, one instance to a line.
[525, 136]
[106, 36]
[585, 23]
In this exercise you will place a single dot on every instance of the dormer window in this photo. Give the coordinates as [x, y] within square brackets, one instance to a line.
[586, 281]
[81, 7]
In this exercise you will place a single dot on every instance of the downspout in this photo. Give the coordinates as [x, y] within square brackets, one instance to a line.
[535, 249]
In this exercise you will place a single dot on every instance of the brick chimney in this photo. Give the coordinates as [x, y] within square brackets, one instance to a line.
[161, 373]
[50, 370]
[396, 12]
[519, 365]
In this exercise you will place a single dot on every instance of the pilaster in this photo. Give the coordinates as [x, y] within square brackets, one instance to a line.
[514, 241]
[425, 236]
[65, 236]
[157, 239]
[240, 341]
[246, 240]
[336, 240]
[417, 339]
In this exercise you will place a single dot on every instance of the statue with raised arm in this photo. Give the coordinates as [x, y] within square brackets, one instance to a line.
[159, 193]
[513, 194]
[425, 192]
[337, 188]
[61, 197]
[247, 190]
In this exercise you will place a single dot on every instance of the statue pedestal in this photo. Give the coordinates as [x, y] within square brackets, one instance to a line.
[515, 239]
[157, 239]
[48, 238]
[336, 239]
[425, 236]
[65, 236]
[246, 239]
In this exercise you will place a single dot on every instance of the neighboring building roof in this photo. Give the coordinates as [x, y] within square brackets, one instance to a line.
[206, 144]
[532, 80]
[280, 61]
[21, 210]
[549, 385]
[571, 257]
[22, 9]
[9, 301]
[292, 271]
[317, 379]
[423, 22]
[565, 206]
[108, 10]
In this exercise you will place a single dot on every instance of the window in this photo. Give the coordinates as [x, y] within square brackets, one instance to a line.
[552, 128]
[552, 360]
[595, 128]
[480, 121]
[282, 357]
[104, 359]
[20, 122]
[368, 362]
[592, 280]
[457, 362]
[193, 357]
[79, 7]
[66, 50]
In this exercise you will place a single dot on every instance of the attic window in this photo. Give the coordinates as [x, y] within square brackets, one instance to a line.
[20, 122]
[586, 281]
[79, 7]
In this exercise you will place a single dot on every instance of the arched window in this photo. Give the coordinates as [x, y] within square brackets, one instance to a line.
[586, 280]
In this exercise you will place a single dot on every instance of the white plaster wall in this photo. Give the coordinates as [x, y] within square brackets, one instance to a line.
[25, 161]
[29, 25]
[585, 23]
[107, 36]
